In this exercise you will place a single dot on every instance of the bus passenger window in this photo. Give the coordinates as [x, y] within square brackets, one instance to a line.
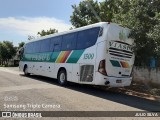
[87, 38]
[55, 44]
[69, 41]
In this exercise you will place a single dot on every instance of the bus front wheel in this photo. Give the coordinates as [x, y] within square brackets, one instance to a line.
[26, 71]
[62, 77]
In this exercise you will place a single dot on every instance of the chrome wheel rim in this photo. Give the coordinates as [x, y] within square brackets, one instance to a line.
[62, 77]
[26, 71]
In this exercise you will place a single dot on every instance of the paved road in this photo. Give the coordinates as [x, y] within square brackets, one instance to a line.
[16, 89]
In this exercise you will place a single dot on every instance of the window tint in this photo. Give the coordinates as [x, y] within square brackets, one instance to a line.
[78, 40]
[45, 45]
[55, 44]
[87, 38]
[28, 48]
[33, 47]
[69, 41]
[37, 46]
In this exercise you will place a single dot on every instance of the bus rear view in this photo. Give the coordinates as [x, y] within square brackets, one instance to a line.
[116, 63]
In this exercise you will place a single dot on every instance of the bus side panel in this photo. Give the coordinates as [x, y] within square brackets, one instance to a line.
[68, 68]
[87, 66]
[49, 70]
[75, 73]
[21, 66]
[37, 68]
[101, 55]
[30, 66]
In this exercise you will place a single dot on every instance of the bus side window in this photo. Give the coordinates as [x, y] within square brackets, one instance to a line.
[55, 44]
[21, 52]
[26, 48]
[87, 38]
[38, 47]
[92, 36]
[81, 39]
[69, 41]
[33, 47]
[29, 48]
[45, 45]
[52, 45]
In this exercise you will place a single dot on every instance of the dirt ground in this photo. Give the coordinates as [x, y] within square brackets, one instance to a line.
[141, 89]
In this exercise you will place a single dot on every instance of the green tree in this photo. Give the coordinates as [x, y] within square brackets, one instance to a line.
[11, 51]
[3, 52]
[48, 32]
[30, 37]
[89, 12]
[108, 9]
[141, 16]
[7, 51]
[21, 44]
[19, 51]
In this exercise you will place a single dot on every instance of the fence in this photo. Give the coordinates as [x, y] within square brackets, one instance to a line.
[147, 74]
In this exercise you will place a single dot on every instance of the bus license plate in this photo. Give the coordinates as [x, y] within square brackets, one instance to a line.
[118, 81]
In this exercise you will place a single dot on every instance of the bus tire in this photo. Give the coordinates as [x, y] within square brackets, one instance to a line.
[26, 71]
[62, 77]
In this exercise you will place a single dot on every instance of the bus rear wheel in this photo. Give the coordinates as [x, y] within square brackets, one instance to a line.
[62, 78]
[26, 71]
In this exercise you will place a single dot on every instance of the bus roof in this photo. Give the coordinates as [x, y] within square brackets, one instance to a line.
[100, 24]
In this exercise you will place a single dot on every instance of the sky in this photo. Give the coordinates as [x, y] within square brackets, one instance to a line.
[20, 18]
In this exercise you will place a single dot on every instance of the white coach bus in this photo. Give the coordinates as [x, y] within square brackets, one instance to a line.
[97, 54]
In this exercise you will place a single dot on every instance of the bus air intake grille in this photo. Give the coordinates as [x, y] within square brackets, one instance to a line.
[86, 73]
[120, 53]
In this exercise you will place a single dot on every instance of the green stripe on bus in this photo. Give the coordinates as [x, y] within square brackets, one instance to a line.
[115, 63]
[38, 57]
[74, 57]
[54, 56]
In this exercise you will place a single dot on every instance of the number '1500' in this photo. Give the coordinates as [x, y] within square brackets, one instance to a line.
[89, 56]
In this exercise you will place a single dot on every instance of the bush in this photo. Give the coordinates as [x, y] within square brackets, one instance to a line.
[6, 65]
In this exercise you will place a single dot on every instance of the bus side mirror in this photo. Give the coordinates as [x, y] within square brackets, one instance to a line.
[20, 52]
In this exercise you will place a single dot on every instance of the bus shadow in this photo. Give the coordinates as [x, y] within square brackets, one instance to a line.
[42, 79]
[122, 98]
